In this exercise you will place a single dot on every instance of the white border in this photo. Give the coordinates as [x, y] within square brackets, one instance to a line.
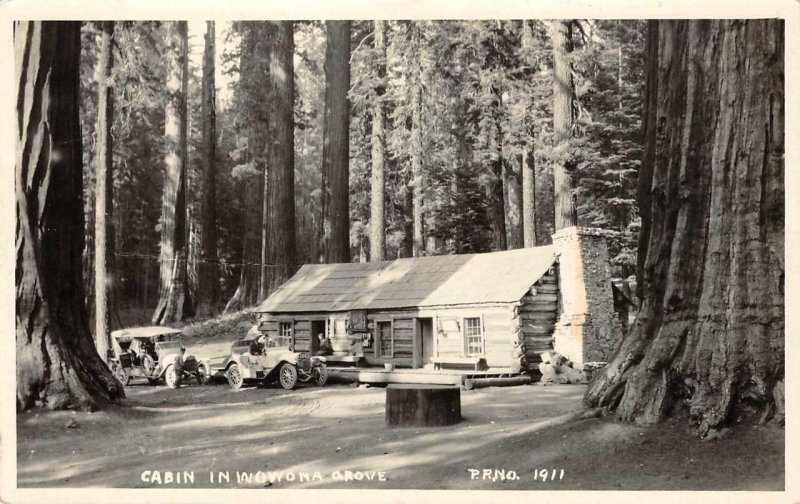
[383, 9]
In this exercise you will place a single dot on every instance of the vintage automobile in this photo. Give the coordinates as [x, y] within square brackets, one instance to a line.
[153, 353]
[269, 359]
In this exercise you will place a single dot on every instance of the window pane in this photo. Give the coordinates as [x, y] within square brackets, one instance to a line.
[473, 336]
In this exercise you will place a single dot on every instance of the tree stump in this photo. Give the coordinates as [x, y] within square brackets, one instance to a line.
[411, 405]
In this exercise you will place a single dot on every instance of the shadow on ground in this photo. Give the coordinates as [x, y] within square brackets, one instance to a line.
[341, 428]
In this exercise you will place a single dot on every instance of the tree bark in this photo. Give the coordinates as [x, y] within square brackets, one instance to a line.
[495, 182]
[282, 246]
[528, 164]
[563, 115]
[254, 69]
[645, 174]
[104, 193]
[417, 183]
[208, 289]
[528, 199]
[377, 235]
[710, 331]
[174, 302]
[336, 146]
[57, 363]
[512, 181]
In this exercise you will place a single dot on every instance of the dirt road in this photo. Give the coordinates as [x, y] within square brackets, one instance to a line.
[511, 438]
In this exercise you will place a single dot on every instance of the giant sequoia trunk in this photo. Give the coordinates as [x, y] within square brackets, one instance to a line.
[174, 303]
[247, 293]
[253, 70]
[528, 199]
[495, 183]
[104, 191]
[563, 94]
[512, 195]
[710, 332]
[208, 288]
[528, 162]
[377, 218]
[417, 184]
[57, 363]
[280, 186]
[336, 145]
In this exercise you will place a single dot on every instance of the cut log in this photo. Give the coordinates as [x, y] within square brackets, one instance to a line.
[537, 318]
[542, 297]
[409, 405]
[539, 307]
[474, 383]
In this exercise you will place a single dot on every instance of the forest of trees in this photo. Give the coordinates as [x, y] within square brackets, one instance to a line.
[358, 141]
[346, 141]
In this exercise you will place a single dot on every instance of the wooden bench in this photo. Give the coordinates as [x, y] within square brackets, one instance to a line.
[477, 363]
[344, 358]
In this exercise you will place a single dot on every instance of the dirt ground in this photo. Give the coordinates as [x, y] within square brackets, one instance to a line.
[313, 436]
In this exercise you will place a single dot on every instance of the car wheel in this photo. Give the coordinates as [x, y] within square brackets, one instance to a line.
[171, 377]
[234, 375]
[121, 374]
[202, 374]
[287, 376]
[148, 364]
[320, 374]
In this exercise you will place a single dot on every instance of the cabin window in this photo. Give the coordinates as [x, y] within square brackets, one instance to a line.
[383, 333]
[286, 330]
[473, 337]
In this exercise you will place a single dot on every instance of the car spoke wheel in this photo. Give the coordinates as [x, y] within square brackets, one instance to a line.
[121, 374]
[148, 364]
[320, 374]
[288, 376]
[202, 374]
[234, 375]
[171, 376]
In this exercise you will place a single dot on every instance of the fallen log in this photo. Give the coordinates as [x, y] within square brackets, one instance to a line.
[473, 383]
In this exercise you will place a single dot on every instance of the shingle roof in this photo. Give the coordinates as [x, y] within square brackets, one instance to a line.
[413, 282]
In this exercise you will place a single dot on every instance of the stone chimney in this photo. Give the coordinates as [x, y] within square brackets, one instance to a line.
[588, 328]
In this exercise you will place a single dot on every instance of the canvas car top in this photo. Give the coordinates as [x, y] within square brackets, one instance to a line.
[142, 332]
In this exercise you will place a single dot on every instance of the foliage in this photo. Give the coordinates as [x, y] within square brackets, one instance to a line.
[486, 96]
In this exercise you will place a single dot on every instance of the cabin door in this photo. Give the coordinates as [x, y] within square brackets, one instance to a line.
[426, 337]
[317, 327]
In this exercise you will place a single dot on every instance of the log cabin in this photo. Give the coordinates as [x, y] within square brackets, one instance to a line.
[490, 310]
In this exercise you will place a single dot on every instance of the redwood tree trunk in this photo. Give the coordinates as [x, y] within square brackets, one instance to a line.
[174, 302]
[528, 199]
[496, 206]
[336, 144]
[57, 363]
[512, 195]
[710, 332]
[563, 94]
[104, 193]
[417, 184]
[280, 186]
[208, 289]
[528, 163]
[377, 235]
[247, 293]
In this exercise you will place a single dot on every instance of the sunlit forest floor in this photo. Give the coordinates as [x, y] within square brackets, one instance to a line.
[341, 428]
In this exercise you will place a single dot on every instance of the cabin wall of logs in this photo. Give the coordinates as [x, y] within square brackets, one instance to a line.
[509, 330]
[534, 318]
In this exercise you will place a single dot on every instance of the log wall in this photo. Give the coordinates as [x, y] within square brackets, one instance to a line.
[534, 316]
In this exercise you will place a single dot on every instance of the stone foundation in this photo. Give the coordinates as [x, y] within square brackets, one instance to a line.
[588, 328]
